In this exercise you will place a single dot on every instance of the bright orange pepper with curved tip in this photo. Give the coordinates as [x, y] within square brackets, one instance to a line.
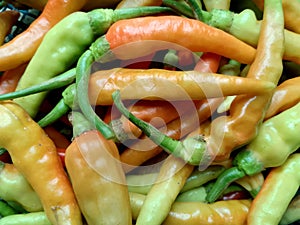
[7, 20]
[35, 156]
[21, 49]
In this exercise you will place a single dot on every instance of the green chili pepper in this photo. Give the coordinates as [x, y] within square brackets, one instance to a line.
[196, 7]
[6, 209]
[283, 182]
[197, 194]
[65, 42]
[34, 218]
[191, 150]
[14, 187]
[277, 139]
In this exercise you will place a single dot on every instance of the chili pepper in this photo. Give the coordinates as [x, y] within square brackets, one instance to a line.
[189, 213]
[7, 20]
[246, 27]
[22, 48]
[37, 159]
[285, 96]
[10, 78]
[100, 188]
[141, 183]
[282, 182]
[171, 178]
[248, 111]
[15, 187]
[292, 212]
[197, 194]
[160, 28]
[33, 218]
[64, 53]
[196, 85]
[219, 4]
[270, 148]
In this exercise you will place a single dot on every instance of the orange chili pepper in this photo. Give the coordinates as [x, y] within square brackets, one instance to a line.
[21, 49]
[36, 158]
[246, 113]
[176, 30]
[285, 96]
[7, 20]
[10, 78]
[97, 177]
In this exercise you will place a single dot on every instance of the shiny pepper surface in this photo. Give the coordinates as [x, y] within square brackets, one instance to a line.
[34, 154]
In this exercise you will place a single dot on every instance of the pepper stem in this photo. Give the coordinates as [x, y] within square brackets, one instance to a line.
[82, 82]
[192, 150]
[223, 181]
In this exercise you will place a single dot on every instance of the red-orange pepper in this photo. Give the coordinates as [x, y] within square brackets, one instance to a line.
[7, 20]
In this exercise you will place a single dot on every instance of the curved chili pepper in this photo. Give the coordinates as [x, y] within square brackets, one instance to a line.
[37, 159]
[15, 187]
[10, 78]
[285, 96]
[21, 49]
[196, 7]
[190, 213]
[171, 178]
[33, 218]
[229, 131]
[275, 141]
[100, 188]
[252, 183]
[7, 20]
[160, 28]
[61, 47]
[282, 182]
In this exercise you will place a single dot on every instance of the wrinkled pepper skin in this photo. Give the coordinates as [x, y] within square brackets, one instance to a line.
[278, 190]
[102, 195]
[14, 187]
[35, 156]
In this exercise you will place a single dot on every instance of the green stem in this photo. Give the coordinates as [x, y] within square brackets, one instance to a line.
[196, 8]
[192, 150]
[57, 82]
[80, 123]
[82, 82]
[57, 112]
[180, 7]
[223, 181]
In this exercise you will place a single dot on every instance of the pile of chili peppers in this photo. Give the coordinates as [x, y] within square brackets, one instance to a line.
[150, 112]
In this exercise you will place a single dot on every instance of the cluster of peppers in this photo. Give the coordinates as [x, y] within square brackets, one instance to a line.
[225, 151]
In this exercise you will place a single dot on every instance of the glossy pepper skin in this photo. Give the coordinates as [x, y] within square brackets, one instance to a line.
[190, 213]
[7, 20]
[21, 49]
[97, 176]
[36, 158]
[248, 111]
[65, 42]
[276, 140]
[14, 187]
[278, 190]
